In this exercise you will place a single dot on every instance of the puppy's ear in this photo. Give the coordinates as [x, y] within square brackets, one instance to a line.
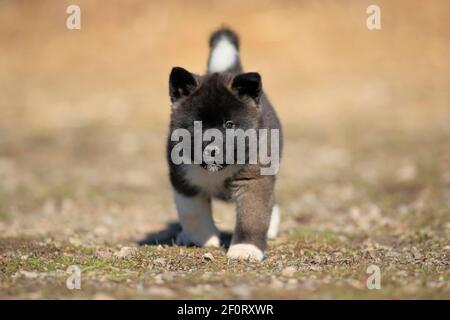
[181, 83]
[248, 85]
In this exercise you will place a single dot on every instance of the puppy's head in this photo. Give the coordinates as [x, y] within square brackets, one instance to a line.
[219, 101]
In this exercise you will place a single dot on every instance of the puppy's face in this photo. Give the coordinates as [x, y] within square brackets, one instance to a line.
[218, 101]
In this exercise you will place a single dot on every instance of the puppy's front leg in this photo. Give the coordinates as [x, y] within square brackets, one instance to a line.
[254, 202]
[196, 221]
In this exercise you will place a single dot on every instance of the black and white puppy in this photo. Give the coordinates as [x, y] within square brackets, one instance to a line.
[224, 98]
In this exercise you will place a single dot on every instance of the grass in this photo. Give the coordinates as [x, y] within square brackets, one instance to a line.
[325, 269]
[339, 217]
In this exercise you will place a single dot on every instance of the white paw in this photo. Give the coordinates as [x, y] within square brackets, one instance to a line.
[184, 240]
[213, 241]
[245, 251]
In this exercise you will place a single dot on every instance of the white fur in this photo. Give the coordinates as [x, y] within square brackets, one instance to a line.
[245, 251]
[211, 183]
[196, 220]
[184, 240]
[224, 55]
[274, 223]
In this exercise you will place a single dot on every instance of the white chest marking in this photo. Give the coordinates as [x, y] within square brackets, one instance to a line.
[209, 182]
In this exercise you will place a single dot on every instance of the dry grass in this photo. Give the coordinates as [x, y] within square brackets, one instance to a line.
[365, 177]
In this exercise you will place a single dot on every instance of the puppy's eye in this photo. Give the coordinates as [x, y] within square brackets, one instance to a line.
[228, 125]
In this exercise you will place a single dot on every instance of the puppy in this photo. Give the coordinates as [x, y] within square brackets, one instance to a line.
[225, 100]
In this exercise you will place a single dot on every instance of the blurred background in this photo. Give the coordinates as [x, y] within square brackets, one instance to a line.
[84, 113]
[318, 60]
[75, 103]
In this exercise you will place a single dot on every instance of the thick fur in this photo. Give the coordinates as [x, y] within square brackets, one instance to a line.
[223, 94]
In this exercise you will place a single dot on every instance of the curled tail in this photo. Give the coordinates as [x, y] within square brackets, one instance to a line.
[224, 52]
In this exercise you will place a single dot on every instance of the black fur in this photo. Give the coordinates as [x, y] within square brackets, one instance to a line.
[215, 99]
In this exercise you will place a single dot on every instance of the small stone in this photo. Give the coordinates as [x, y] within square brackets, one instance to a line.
[276, 284]
[292, 284]
[103, 254]
[102, 296]
[314, 267]
[242, 291]
[417, 255]
[356, 284]
[159, 279]
[140, 287]
[29, 274]
[160, 261]
[207, 275]
[160, 291]
[406, 173]
[168, 276]
[75, 242]
[208, 256]
[402, 273]
[288, 272]
[101, 231]
[197, 290]
[126, 252]
[308, 284]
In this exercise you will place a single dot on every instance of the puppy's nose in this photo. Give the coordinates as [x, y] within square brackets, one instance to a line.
[212, 150]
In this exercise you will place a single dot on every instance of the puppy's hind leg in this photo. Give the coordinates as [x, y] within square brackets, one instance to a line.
[196, 221]
[274, 223]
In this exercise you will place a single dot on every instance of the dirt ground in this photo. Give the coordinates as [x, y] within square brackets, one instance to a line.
[364, 180]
